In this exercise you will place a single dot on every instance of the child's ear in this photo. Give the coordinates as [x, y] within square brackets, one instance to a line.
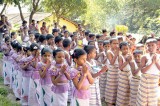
[75, 60]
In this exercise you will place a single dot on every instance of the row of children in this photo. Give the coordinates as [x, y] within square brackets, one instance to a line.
[109, 69]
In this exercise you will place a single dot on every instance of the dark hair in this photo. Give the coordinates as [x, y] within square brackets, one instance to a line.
[56, 51]
[34, 46]
[57, 39]
[86, 33]
[12, 34]
[106, 42]
[54, 30]
[14, 44]
[89, 48]
[45, 49]
[123, 44]
[42, 38]
[98, 36]
[90, 42]
[49, 36]
[120, 33]
[25, 49]
[33, 20]
[104, 30]
[66, 31]
[77, 53]
[137, 52]
[112, 33]
[91, 35]
[37, 35]
[66, 43]
[24, 22]
[7, 38]
[19, 47]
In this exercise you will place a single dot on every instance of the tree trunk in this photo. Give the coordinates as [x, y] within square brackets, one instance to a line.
[20, 11]
[31, 17]
[4, 7]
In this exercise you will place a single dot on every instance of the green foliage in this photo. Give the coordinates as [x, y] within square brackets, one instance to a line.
[67, 8]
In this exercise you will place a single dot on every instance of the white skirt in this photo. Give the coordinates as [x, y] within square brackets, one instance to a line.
[46, 95]
[34, 92]
[25, 90]
[60, 99]
[18, 84]
[6, 72]
[79, 102]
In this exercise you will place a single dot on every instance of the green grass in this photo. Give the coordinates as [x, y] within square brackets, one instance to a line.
[3, 92]
[4, 101]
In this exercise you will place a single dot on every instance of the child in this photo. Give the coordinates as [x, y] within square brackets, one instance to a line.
[103, 77]
[124, 76]
[112, 74]
[67, 47]
[68, 61]
[95, 99]
[81, 78]
[101, 52]
[37, 35]
[58, 41]
[136, 73]
[31, 39]
[14, 36]
[26, 74]
[34, 84]
[148, 88]
[50, 41]
[17, 72]
[46, 83]
[43, 41]
[59, 76]
[6, 48]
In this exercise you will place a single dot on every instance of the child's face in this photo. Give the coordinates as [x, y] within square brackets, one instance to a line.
[59, 44]
[28, 53]
[45, 42]
[92, 38]
[56, 34]
[137, 58]
[100, 45]
[14, 36]
[59, 58]
[114, 44]
[133, 40]
[81, 60]
[125, 50]
[46, 56]
[152, 47]
[8, 42]
[92, 54]
[31, 37]
[107, 46]
[120, 40]
[50, 41]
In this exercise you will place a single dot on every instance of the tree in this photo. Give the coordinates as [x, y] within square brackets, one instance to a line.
[35, 4]
[67, 8]
[18, 3]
